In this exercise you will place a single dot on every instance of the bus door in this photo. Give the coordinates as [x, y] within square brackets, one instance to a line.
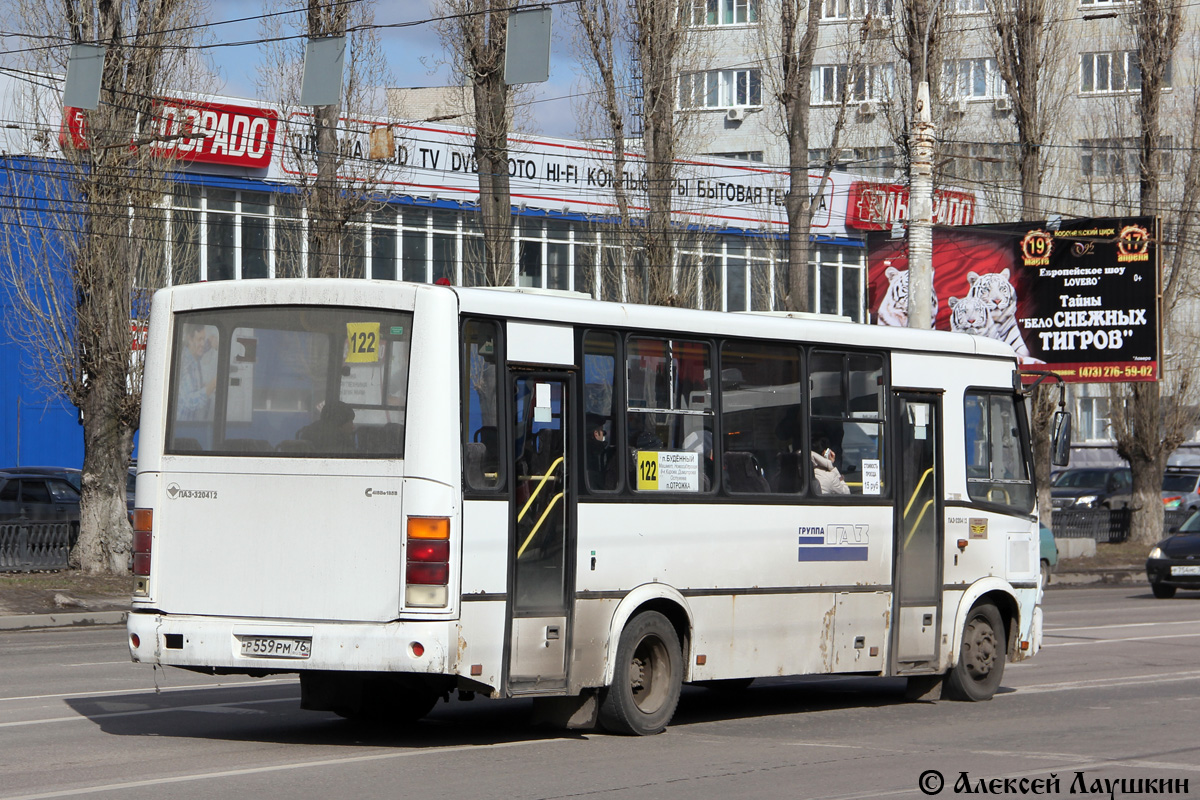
[919, 532]
[542, 544]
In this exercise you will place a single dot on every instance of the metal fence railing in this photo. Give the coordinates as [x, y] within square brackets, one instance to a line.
[1101, 524]
[26, 546]
[1174, 518]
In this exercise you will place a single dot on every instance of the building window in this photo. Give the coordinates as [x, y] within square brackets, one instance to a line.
[742, 155]
[724, 12]
[721, 88]
[855, 9]
[1118, 158]
[837, 281]
[1102, 3]
[1116, 71]
[875, 162]
[1093, 420]
[832, 83]
[973, 77]
[980, 161]
[969, 6]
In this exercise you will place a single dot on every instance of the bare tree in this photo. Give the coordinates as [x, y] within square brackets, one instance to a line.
[325, 144]
[1148, 421]
[84, 236]
[1029, 44]
[476, 32]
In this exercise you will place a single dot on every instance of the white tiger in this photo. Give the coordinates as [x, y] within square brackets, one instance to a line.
[1000, 298]
[893, 309]
[969, 315]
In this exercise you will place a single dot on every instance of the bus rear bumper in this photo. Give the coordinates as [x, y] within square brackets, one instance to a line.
[233, 645]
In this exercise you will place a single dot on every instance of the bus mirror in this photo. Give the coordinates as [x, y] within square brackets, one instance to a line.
[1060, 440]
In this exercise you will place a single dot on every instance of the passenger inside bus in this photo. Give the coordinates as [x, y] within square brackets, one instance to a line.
[828, 479]
[333, 432]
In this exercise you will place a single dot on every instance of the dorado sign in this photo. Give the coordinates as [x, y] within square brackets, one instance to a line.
[200, 132]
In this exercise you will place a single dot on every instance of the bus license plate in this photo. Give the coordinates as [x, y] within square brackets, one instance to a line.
[1185, 570]
[276, 646]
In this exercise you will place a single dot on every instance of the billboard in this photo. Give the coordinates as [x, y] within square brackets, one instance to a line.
[1079, 299]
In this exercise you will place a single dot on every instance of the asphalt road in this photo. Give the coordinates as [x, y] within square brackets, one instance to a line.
[1114, 695]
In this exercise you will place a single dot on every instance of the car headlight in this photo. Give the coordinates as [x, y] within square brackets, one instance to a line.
[1087, 500]
[1156, 553]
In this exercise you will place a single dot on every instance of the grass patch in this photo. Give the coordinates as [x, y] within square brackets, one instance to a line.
[1109, 554]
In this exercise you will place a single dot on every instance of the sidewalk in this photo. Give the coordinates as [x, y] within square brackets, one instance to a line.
[31, 600]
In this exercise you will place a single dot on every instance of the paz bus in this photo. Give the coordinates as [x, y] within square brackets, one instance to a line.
[401, 491]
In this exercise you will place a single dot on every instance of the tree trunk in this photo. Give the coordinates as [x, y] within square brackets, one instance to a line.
[491, 155]
[105, 535]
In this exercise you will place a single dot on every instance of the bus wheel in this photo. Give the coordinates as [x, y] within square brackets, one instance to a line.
[981, 661]
[647, 680]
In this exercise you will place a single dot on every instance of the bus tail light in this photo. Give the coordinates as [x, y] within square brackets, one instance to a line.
[427, 564]
[143, 542]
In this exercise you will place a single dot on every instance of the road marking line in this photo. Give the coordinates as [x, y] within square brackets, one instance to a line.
[1100, 683]
[81, 717]
[234, 773]
[1123, 639]
[143, 689]
[1050, 630]
[97, 663]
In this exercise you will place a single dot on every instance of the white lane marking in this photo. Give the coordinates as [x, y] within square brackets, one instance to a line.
[97, 663]
[143, 712]
[1123, 639]
[235, 773]
[1050, 630]
[1100, 683]
[141, 689]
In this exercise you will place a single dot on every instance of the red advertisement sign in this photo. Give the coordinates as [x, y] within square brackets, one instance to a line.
[196, 132]
[1079, 299]
[877, 206]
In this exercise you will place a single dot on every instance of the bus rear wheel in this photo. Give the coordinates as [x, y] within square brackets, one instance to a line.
[647, 680]
[980, 666]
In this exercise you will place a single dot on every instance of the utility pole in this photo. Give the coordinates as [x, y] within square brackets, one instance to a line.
[920, 223]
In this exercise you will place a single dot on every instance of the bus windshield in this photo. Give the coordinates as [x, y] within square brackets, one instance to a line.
[289, 381]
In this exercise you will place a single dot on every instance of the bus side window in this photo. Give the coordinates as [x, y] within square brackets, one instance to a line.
[483, 467]
[846, 430]
[762, 407]
[601, 461]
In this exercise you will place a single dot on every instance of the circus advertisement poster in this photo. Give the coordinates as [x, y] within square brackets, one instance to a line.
[1079, 298]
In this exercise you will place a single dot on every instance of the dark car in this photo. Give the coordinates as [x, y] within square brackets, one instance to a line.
[68, 474]
[37, 497]
[1174, 563]
[1092, 488]
[1181, 489]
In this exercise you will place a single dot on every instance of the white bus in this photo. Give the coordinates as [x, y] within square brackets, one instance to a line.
[400, 491]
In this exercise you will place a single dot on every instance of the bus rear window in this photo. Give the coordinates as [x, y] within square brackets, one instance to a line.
[289, 381]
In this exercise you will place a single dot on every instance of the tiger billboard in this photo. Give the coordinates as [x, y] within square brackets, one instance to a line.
[1079, 298]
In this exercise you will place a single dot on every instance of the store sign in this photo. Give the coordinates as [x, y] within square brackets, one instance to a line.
[875, 206]
[1079, 299]
[196, 132]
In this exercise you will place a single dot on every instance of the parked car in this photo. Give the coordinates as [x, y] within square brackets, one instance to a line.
[1174, 563]
[1181, 489]
[37, 497]
[1049, 556]
[1092, 488]
[68, 474]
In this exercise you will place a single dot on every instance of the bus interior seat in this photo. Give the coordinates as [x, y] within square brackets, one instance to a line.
[380, 438]
[475, 453]
[743, 474]
[188, 444]
[790, 478]
[247, 445]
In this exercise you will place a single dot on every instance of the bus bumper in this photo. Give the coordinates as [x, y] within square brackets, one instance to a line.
[232, 645]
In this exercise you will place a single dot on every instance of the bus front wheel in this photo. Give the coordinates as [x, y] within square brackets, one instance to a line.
[647, 680]
[980, 665]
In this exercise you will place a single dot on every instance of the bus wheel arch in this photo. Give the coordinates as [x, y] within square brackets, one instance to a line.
[651, 597]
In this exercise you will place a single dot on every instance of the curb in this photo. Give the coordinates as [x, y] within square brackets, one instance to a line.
[21, 622]
[1105, 576]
